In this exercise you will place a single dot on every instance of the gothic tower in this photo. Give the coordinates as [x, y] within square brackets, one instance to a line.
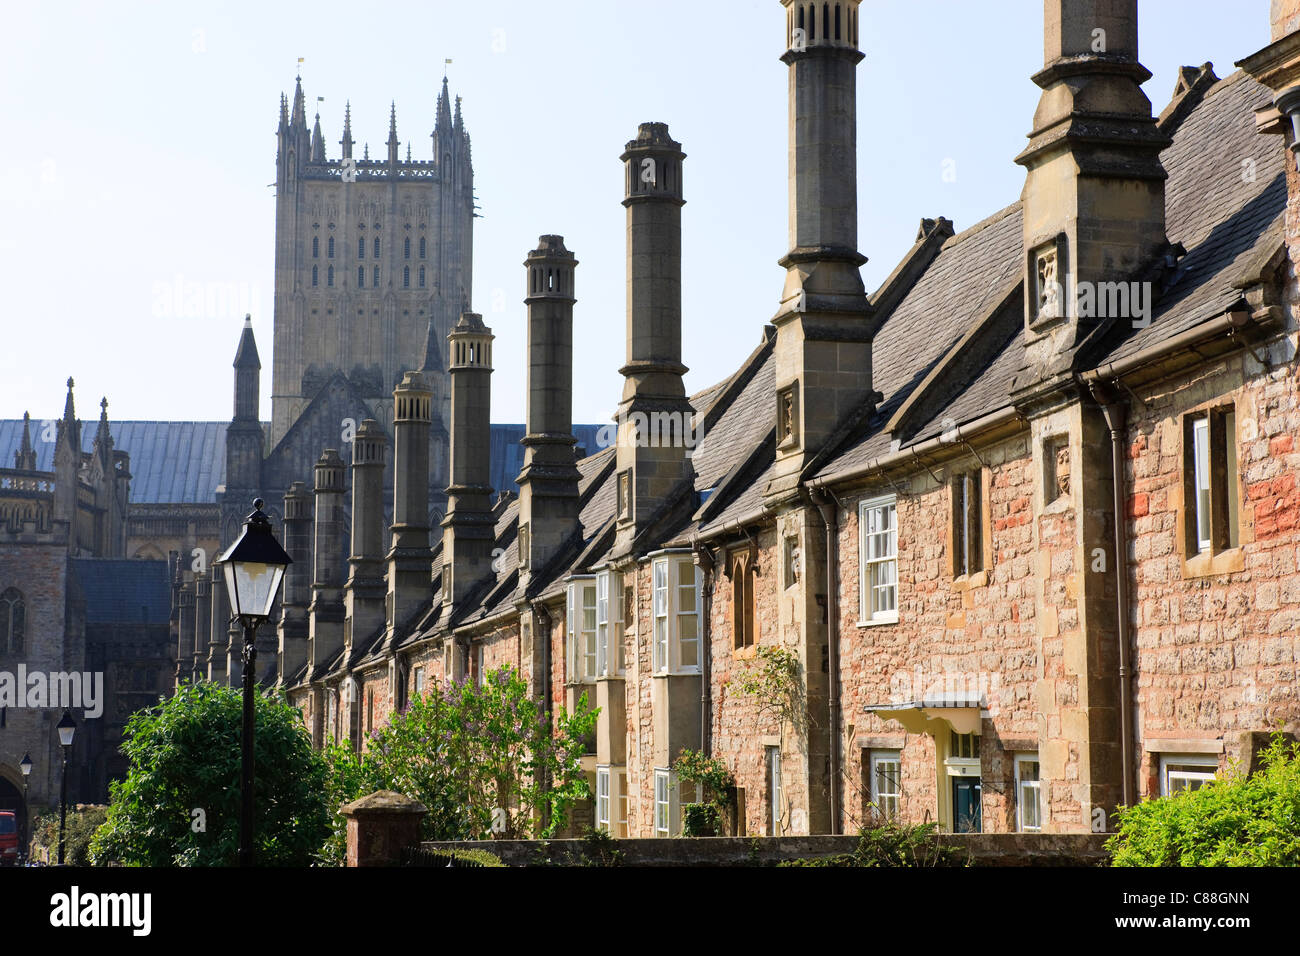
[373, 258]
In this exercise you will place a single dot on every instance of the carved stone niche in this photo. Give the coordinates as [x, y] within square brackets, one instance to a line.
[1056, 468]
[1047, 283]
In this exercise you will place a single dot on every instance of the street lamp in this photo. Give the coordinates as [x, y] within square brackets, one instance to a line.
[26, 767]
[253, 568]
[67, 727]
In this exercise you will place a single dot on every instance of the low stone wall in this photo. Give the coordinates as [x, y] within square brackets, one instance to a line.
[986, 849]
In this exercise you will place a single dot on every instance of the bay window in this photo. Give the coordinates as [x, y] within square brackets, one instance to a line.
[580, 620]
[676, 597]
[609, 624]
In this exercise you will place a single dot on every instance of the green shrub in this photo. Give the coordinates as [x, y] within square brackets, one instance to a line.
[483, 760]
[79, 828]
[716, 787]
[1235, 821]
[893, 845]
[179, 804]
[699, 819]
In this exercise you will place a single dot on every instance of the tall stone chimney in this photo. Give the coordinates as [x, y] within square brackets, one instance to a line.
[548, 484]
[654, 417]
[468, 528]
[824, 327]
[294, 627]
[329, 561]
[185, 649]
[218, 626]
[410, 561]
[1094, 196]
[202, 622]
[363, 595]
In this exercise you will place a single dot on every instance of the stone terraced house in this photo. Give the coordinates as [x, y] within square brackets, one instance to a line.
[1021, 527]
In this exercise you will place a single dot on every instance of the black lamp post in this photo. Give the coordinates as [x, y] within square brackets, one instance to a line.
[26, 767]
[253, 568]
[66, 730]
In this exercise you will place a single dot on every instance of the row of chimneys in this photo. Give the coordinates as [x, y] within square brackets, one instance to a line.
[1100, 209]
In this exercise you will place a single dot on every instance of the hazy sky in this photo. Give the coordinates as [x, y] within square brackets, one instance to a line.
[141, 142]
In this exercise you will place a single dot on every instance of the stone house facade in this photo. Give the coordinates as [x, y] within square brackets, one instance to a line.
[1013, 537]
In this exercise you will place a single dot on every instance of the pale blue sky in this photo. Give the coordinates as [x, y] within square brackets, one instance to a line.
[140, 145]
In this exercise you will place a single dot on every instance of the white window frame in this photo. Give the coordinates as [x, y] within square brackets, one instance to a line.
[581, 643]
[887, 803]
[479, 676]
[870, 593]
[1026, 790]
[669, 613]
[1187, 768]
[1201, 466]
[417, 682]
[620, 801]
[663, 803]
[609, 624]
[603, 799]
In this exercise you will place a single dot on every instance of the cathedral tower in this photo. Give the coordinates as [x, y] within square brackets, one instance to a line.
[372, 258]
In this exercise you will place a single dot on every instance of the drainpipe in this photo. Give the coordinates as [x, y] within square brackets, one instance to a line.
[830, 513]
[1115, 413]
[704, 558]
[544, 620]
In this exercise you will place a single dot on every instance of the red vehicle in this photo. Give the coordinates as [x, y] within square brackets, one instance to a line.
[8, 838]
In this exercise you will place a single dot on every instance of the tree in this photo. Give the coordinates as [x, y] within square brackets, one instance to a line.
[1236, 821]
[179, 804]
[483, 760]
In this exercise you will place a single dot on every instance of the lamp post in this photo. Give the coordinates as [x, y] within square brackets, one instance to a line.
[254, 569]
[67, 727]
[26, 767]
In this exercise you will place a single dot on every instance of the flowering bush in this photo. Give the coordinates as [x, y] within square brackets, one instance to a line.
[483, 760]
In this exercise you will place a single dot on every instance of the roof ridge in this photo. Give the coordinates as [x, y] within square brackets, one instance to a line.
[983, 224]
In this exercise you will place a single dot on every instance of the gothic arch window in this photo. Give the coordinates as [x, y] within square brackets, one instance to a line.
[315, 247]
[376, 247]
[329, 275]
[837, 21]
[376, 277]
[422, 247]
[422, 273]
[315, 276]
[361, 277]
[406, 248]
[406, 277]
[331, 249]
[13, 621]
[361, 248]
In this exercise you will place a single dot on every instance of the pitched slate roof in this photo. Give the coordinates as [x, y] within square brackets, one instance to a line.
[171, 462]
[185, 462]
[1223, 217]
[124, 590]
[1218, 208]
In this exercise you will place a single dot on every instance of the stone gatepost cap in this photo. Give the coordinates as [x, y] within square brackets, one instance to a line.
[383, 801]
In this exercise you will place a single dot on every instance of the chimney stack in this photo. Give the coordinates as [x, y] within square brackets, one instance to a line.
[218, 626]
[410, 562]
[654, 417]
[363, 595]
[548, 483]
[469, 527]
[325, 613]
[824, 327]
[202, 622]
[293, 628]
[1094, 195]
